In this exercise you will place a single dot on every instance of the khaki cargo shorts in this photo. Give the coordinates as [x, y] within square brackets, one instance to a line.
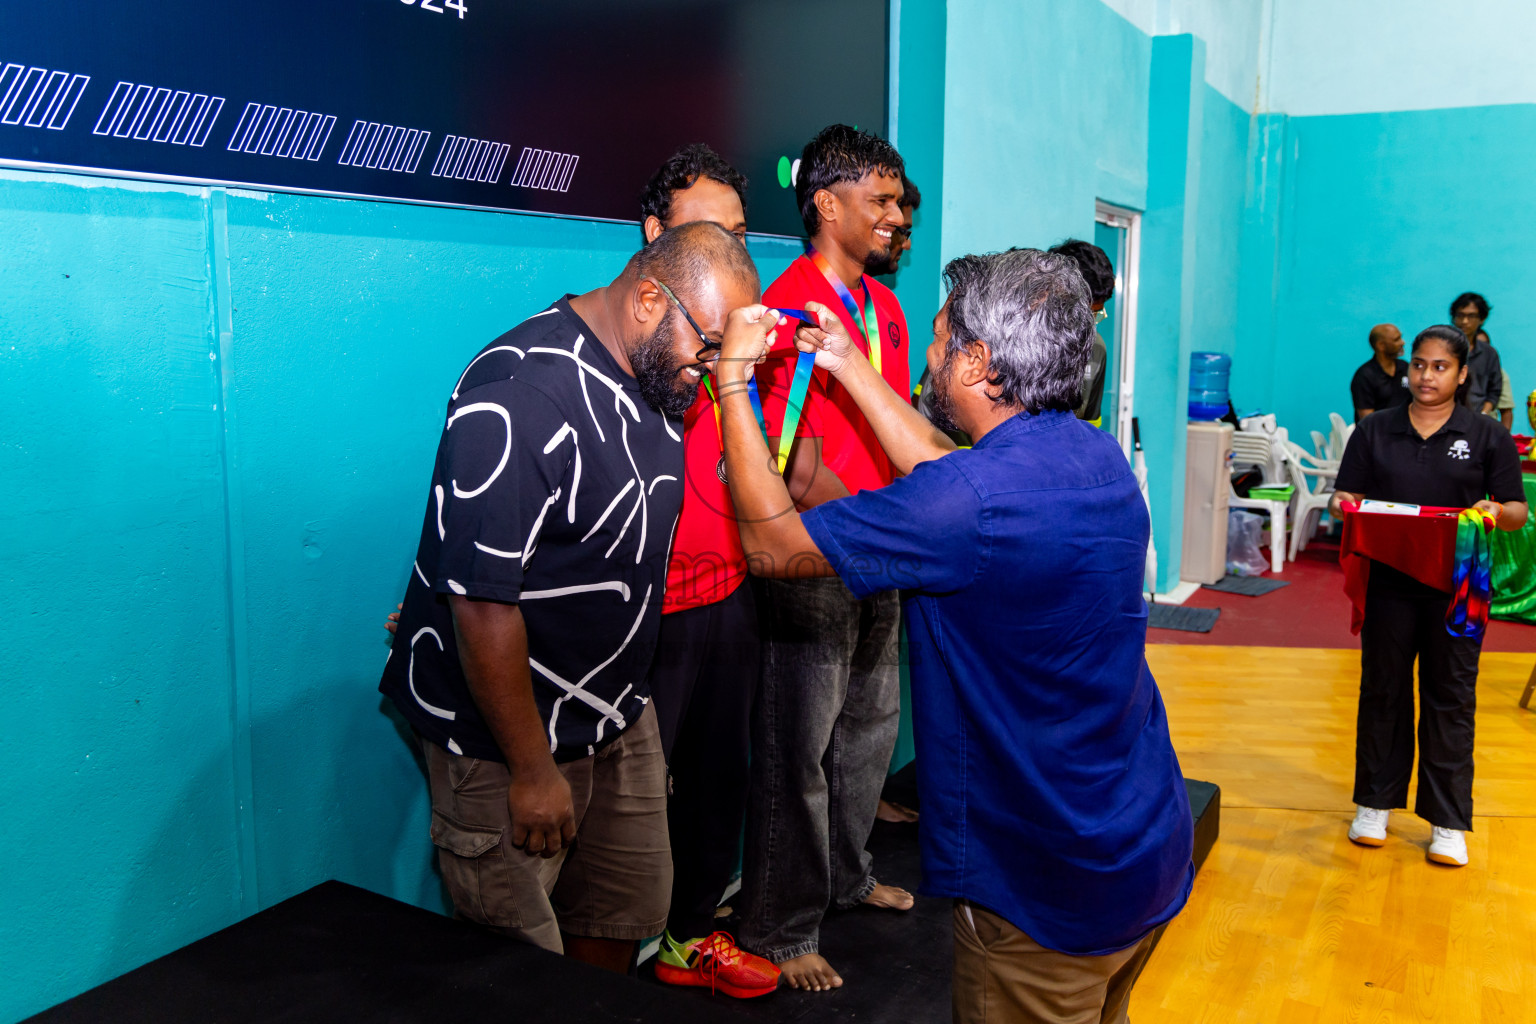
[614, 882]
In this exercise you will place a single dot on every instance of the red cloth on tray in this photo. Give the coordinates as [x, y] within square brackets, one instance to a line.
[1422, 546]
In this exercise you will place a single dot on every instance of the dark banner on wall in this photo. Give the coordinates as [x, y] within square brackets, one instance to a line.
[547, 107]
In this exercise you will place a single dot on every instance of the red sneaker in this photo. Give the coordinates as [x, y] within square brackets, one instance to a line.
[717, 962]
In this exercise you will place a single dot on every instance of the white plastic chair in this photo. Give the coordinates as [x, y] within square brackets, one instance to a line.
[1338, 437]
[1308, 504]
[1320, 445]
[1322, 458]
[1267, 452]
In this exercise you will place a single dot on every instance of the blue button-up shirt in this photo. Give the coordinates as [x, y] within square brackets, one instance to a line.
[1050, 790]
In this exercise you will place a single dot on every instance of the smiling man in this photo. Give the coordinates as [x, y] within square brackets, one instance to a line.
[830, 692]
[532, 611]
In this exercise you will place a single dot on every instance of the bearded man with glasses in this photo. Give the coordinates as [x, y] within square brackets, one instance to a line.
[532, 612]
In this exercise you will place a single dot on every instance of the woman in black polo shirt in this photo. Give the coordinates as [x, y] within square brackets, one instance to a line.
[1433, 451]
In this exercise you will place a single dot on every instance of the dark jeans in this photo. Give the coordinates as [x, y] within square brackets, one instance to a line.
[1401, 622]
[702, 683]
[822, 736]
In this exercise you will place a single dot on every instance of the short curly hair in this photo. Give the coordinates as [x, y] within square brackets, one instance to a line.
[840, 154]
[681, 170]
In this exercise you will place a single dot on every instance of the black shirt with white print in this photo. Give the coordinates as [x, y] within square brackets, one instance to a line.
[556, 487]
[1469, 458]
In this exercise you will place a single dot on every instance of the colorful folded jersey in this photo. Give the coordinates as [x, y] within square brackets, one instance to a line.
[1471, 575]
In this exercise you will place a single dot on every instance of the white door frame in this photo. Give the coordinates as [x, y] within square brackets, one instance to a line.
[1127, 277]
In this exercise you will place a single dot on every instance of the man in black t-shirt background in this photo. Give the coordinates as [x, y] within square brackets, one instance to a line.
[534, 600]
[1382, 382]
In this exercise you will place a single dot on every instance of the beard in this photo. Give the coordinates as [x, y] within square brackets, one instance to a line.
[882, 261]
[877, 265]
[659, 372]
[941, 388]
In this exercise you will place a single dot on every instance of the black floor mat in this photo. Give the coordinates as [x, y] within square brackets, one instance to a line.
[338, 953]
[1187, 620]
[1248, 586]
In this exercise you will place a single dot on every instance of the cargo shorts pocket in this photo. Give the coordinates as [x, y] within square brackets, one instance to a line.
[476, 872]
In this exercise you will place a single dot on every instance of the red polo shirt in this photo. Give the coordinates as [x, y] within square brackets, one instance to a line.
[849, 446]
[708, 562]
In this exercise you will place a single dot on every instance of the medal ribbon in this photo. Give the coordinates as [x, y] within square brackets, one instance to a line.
[1467, 615]
[866, 320]
[798, 386]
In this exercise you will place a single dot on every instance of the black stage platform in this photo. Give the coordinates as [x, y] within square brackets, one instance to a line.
[339, 954]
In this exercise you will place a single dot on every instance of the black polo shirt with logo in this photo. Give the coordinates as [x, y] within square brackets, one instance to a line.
[1373, 388]
[1469, 458]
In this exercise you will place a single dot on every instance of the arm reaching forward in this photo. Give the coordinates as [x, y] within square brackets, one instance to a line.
[907, 437]
[771, 533]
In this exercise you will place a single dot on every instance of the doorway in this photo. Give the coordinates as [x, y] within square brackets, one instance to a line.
[1117, 230]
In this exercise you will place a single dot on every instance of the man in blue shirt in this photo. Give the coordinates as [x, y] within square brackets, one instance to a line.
[1054, 810]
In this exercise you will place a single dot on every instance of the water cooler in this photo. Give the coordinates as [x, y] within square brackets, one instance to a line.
[1207, 470]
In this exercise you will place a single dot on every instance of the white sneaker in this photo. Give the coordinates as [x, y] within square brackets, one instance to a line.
[1369, 827]
[1448, 846]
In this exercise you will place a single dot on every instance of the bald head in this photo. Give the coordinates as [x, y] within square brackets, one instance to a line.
[696, 258]
[1387, 340]
[664, 317]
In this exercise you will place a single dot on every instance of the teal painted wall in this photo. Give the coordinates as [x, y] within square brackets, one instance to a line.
[1166, 323]
[917, 128]
[919, 134]
[1389, 217]
[1045, 111]
[221, 412]
[1218, 224]
[116, 773]
[1260, 246]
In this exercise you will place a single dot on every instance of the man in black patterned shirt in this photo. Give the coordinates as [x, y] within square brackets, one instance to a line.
[531, 614]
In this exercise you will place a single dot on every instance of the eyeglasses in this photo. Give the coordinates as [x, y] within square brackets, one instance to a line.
[704, 340]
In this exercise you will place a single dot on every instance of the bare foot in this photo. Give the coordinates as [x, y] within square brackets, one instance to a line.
[888, 897]
[810, 973]
[888, 811]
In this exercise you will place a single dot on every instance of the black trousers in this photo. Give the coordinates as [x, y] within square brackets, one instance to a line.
[1405, 620]
[703, 682]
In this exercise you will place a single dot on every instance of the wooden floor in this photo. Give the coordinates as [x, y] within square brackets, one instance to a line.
[1289, 921]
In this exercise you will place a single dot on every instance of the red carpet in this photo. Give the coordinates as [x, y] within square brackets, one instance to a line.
[1311, 612]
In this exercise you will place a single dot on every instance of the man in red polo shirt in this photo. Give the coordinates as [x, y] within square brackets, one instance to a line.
[829, 700]
[704, 674]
